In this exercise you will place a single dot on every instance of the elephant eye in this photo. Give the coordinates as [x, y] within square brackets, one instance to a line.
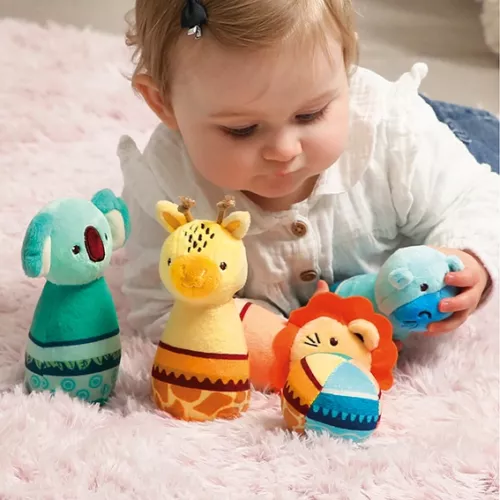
[334, 342]
[424, 287]
[76, 249]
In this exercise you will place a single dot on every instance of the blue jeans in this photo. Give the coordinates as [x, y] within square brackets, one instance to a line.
[476, 128]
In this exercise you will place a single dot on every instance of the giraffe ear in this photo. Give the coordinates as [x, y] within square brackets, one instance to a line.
[237, 224]
[168, 215]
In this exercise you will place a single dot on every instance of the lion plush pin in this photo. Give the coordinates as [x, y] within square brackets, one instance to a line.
[332, 359]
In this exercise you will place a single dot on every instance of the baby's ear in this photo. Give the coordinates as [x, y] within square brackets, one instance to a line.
[237, 224]
[168, 215]
[116, 212]
[36, 250]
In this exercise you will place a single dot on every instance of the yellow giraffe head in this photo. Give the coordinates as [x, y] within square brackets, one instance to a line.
[203, 261]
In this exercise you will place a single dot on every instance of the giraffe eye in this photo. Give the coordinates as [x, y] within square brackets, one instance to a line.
[223, 266]
[169, 261]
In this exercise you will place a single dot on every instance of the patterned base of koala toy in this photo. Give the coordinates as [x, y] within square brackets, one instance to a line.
[85, 370]
[94, 388]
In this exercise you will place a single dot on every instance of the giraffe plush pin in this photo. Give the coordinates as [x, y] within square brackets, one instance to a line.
[201, 367]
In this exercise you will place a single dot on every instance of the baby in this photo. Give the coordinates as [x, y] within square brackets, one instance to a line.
[338, 167]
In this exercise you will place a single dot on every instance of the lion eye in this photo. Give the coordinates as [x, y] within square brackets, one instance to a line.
[334, 342]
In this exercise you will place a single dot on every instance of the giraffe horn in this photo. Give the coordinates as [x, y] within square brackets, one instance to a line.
[185, 207]
[224, 205]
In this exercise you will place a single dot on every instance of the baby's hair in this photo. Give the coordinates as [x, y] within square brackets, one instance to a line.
[155, 27]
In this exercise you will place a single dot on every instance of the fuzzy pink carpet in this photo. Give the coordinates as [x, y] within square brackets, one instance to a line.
[63, 105]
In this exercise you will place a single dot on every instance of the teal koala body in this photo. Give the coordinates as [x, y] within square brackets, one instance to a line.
[74, 339]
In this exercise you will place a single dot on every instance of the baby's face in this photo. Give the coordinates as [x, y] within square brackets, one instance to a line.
[266, 122]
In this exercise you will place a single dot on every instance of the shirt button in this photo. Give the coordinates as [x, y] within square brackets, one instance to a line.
[299, 229]
[308, 276]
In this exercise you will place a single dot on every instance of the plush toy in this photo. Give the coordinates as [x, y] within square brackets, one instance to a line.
[407, 289]
[74, 342]
[201, 368]
[331, 361]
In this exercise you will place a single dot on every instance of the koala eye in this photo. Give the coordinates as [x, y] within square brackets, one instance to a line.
[334, 342]
[76, 249]
[106, 236]
[424, 287]
[169, 261]
[223, 266]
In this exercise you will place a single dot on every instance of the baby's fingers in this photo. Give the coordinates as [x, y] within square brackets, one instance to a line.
[449, 324]
[462, 279]
[466, 300]
[322, 287]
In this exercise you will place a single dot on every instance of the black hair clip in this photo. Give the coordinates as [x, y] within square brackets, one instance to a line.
[194, 16]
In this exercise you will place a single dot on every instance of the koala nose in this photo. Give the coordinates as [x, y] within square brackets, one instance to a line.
[94, 244]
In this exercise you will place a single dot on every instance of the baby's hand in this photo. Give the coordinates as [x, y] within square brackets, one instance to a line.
[473, 279]
[322, 287]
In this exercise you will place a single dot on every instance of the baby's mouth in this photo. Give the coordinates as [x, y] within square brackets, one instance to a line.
[289, 170]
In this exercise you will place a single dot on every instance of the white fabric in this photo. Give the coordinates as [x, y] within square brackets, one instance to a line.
[404, 179]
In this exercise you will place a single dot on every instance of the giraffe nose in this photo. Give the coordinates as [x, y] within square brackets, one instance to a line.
[195, 276]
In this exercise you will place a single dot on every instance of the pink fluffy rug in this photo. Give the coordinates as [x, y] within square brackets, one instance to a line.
[63, 105]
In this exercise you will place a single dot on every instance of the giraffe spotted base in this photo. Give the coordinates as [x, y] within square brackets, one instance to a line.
[200, 405]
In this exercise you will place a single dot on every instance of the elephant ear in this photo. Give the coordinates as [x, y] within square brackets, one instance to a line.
[116, 212]
[37, 246]
[454, 263]
[400, 278]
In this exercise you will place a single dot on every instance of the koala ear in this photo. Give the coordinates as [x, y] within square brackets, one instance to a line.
[237, 224]
[400, 278]
[116, 212]
[367, 331]
[36, 249]
[454, 263]
[168, 215]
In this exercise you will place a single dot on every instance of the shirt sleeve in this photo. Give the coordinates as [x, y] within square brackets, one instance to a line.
[442, 196]
[149, 301]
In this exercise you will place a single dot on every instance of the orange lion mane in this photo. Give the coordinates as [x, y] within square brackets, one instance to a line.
[344, 310]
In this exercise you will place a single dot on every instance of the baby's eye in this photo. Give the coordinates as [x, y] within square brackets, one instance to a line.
[311, 117]
[240, 132]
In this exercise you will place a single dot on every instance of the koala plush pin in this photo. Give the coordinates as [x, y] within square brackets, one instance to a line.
[74, 342]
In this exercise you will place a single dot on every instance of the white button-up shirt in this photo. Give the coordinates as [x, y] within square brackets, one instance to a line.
[404, 179]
